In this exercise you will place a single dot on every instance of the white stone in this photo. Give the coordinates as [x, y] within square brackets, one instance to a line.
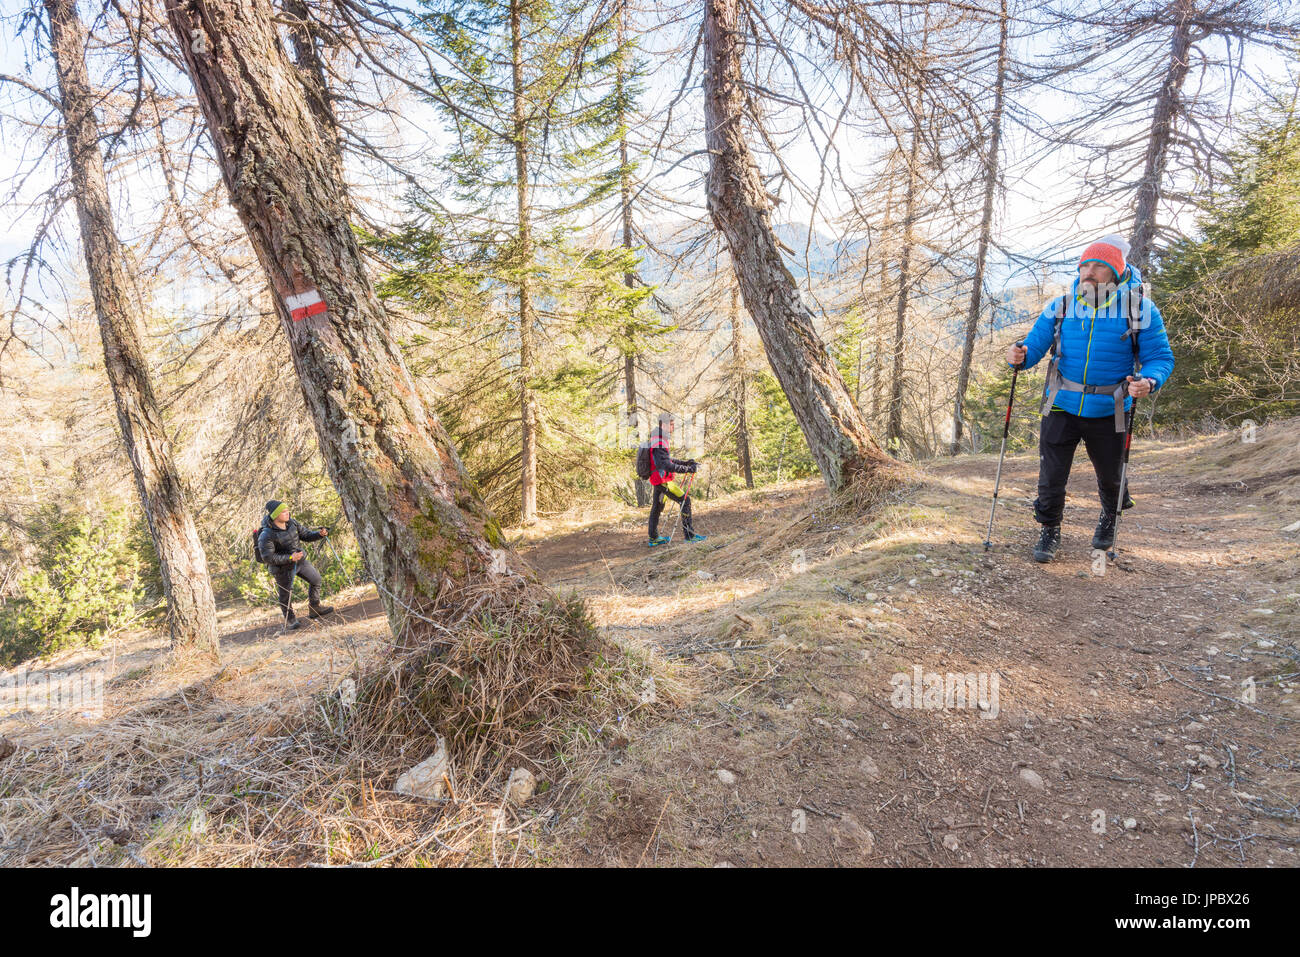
[521, 786]
[726, 777]
[347, 692]
[426, 779]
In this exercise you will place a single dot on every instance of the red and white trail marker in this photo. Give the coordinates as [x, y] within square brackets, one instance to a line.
[304, 304]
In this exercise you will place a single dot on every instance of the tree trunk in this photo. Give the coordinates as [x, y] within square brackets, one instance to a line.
[839, 439]
[120, 309]
[523, 212]
[634, 424]
[986, 231]
[1151, 187]
[894, 432]
[742, 415]
[857, 376]
[311, 71]
[877, 332]
[424, 531]
[629, 278]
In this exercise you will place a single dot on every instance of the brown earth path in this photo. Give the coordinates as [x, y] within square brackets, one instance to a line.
[771, 735]
[1119, 735]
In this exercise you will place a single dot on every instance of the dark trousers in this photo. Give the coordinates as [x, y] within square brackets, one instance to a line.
[1057, 440]
[283, 575]
[657, 506]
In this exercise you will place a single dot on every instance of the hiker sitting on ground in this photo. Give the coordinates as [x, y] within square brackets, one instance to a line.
[1093, 381]
[662, 469]
[280, 545]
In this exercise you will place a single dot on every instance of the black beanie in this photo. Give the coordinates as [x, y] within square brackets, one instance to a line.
[272, 505]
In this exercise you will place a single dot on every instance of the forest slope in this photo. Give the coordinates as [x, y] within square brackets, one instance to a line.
[768, 735]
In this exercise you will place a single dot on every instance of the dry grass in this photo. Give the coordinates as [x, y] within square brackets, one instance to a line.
[247, 763]
[1265, 462]
[501, 683]
[257, 761]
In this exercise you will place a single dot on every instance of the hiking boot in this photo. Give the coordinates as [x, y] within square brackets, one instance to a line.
[657, 540]
[292, 624]
[1049, 543]
[1104, 536]
[695, 537]
[319, 611]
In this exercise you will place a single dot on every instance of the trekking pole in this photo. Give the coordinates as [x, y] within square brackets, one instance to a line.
[685, 492]
[1006, 428]
[1123, 478]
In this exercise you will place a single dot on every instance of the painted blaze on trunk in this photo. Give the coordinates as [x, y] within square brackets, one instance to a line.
[423, 528]
[838, 437]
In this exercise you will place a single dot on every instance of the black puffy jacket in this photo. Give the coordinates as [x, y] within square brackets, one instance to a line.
[276, 545]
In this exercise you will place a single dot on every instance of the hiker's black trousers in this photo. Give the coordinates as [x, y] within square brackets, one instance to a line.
[657, 506]
[1057, 441]
[283, 575]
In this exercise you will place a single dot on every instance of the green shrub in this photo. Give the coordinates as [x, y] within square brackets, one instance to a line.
[86, 585]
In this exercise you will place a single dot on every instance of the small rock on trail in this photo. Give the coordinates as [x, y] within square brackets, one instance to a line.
[1032, 778]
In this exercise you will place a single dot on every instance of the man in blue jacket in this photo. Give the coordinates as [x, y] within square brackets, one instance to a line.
[1092, 381]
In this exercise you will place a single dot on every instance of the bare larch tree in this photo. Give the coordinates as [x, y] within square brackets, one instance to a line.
[120, 309]
[840, 441]
[424, 531]
[991, 162]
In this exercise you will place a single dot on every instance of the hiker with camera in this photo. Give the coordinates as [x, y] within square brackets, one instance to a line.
[279, 546]
[661, 470]
[1108, 348]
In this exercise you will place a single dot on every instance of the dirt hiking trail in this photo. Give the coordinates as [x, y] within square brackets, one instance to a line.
[1119, 737]
[1143, 716]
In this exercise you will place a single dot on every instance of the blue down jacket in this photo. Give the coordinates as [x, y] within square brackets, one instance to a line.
[1094, 350]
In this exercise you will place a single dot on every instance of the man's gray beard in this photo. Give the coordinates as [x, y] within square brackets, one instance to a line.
[1093, 294]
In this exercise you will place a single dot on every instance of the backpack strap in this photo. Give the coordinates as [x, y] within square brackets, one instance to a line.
[1054, 380]
[1134, 325]
[1058, 310]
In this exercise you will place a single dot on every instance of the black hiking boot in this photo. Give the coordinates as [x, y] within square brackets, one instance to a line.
[1049, 543]
[292, 624]
[1104, 536]
[319, 611]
